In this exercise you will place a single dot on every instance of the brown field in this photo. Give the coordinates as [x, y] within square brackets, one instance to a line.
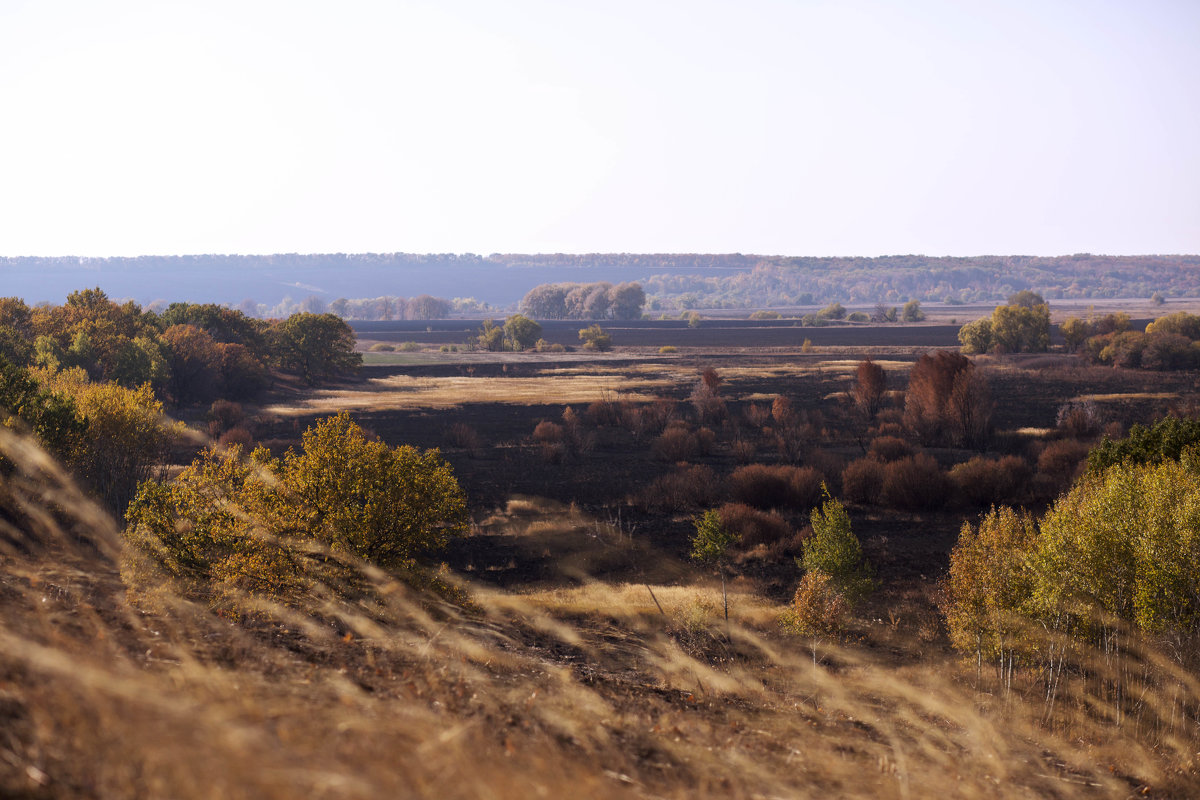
[586, 655]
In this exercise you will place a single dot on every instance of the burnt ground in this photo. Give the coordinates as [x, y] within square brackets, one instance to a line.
[604, 479]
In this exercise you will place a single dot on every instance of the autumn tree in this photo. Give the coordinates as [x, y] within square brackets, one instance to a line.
[912, 312]
[520, 332]
[595, 338]
[834, 550]
[317, 347]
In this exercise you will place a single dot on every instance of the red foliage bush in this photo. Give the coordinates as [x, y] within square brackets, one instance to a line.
[239, 436]
[462, 435]
[916, 483]
[862, 481]
[604, 412]
[1061, 460]
[676, 443]
[776, 486]
[548, 433]
[682, 490]
[890, 448]
[753, 526]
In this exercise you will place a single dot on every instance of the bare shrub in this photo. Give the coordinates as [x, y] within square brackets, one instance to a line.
[676, 443]
[648, 419]
[706, 441]
[830, 465]
[684, 489]
[548, 432]
[985, 481]
[1079, 419]
[862, 481]
[916, 483]
[776, 486]
[605, 412]
[460, 434]
[890, 448]
[553, 452]
[757, 414]
[743, 450]
[754, 527]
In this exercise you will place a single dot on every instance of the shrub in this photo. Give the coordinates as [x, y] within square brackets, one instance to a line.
[462, 435]
[1061, 460]
[776, 486]
[238, 436]
[1165, 440]
[862, 481]
[706, 441]
[1079, 419]
[667, 349]
[224, 415]
[676, 443]
[595, 338]
[743, 450]
[916, 483]
[409, 347]
[604, 412]
[547, 432]
[682, 490]
[870, 387]
[753, 527]
[757, 414]
[985, 481]
[890, 448]
[382, 347]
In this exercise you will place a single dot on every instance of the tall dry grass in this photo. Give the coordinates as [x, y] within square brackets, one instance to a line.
[606, 691]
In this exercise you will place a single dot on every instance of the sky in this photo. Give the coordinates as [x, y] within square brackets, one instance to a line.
[789, 127]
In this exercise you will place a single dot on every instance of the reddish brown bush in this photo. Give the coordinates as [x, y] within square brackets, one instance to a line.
[706, 440]
[757, 414]
[1062, 460]
[916, 483]
[239, 436]
[870, 387]
[604, 412]
[985, 481]
[224, 415]
[676, 443]
[862, 481]
[682, 490]
[890, 448]
[776, 486]
[548, 433]
[755, 527]
[1079, 419]
[743, 450]
[947, 400]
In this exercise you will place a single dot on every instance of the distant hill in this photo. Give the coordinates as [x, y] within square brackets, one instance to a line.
[672, 280]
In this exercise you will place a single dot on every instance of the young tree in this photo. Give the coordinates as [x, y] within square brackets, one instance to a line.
[912, 312]
[834, 550]
[711, 544]
[594, 338]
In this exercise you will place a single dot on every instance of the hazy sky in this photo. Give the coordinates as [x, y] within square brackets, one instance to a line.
[790, 127]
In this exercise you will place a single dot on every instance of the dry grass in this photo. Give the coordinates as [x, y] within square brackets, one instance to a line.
[405, 392]
[585, 692]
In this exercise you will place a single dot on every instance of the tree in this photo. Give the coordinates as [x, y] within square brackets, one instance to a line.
[912, 312]
[1074, 330]
[520, 332]
[930, 383]
[228, 526]
[427, 307]
[711, 544]
[1021, 329]
[990, 583]
[594, 338]
[834, 550]
[191, 358]
[626, 301]
[317, 347]
[125, 440]
[383, 504]
[490, 336]
[976, 337]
